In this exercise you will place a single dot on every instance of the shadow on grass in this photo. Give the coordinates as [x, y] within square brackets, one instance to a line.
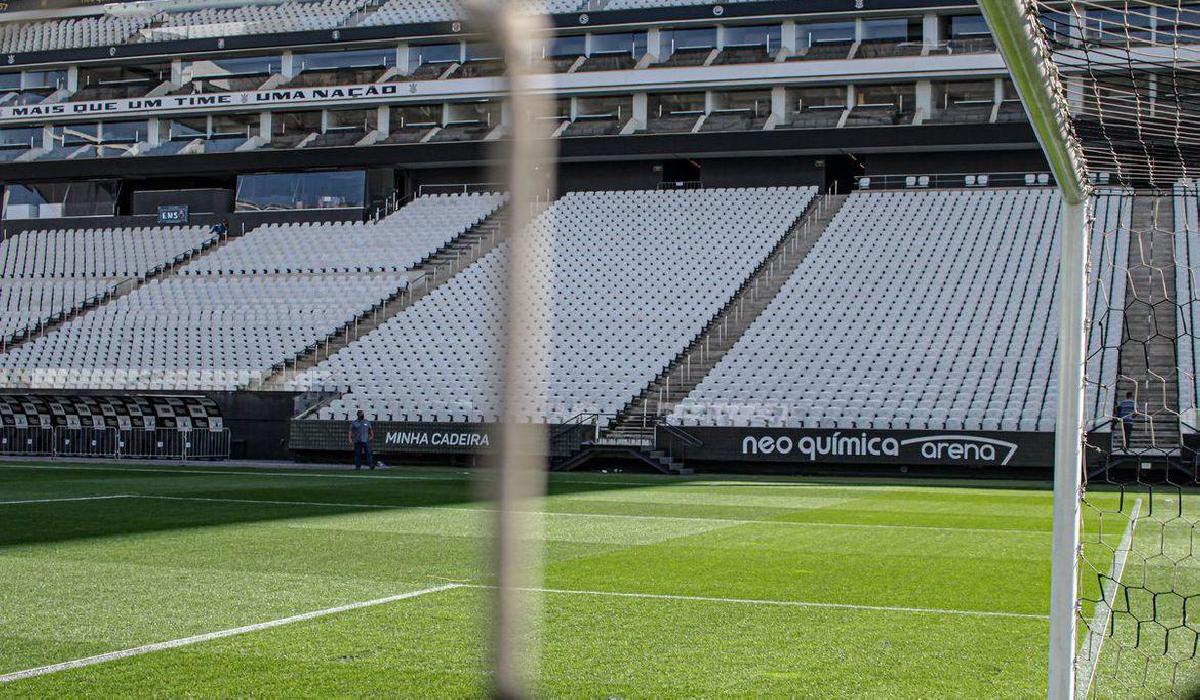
[162, 498]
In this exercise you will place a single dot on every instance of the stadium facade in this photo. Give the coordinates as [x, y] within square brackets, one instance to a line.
[788, 235]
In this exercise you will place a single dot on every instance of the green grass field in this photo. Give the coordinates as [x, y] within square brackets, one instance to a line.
[655, 587]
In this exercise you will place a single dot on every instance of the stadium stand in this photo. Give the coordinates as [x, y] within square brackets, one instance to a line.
[45, 275]
[655, 266]
[951, 324]
[251, 19]
[229, 321]
[74, 33]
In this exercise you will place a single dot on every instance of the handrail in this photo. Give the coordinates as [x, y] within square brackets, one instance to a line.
[680, 433]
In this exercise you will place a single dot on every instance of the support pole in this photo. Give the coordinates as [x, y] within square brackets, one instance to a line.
[521, 460]
[1068, 448]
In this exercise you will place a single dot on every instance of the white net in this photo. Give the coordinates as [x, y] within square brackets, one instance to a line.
[1125, 84]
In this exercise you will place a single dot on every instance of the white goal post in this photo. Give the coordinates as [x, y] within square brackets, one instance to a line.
[1037, 83]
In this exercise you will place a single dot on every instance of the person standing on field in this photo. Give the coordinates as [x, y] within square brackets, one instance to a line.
[361, 435]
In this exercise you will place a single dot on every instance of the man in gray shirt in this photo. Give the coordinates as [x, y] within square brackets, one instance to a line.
[361, 435]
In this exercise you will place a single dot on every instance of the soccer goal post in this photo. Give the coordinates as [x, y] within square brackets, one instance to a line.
[1035, 77]
[1112, 91]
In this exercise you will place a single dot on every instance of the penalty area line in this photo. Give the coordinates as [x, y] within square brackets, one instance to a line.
[777, 603]
[221, 634]
[66, 500]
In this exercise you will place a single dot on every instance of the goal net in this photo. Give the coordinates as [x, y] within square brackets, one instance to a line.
[1113, 92]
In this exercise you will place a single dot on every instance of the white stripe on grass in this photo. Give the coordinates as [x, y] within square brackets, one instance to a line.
[779, 603]
[1088, 656]
[209, 636]
[65, 500]
[615, 516]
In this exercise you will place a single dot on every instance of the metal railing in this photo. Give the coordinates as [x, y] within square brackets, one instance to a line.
[115, 443]
[695, 361]
[940, 180]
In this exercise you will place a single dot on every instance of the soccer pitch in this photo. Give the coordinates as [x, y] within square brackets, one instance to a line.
[653, 586]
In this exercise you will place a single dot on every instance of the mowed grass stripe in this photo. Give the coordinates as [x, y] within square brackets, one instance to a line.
[617, 516]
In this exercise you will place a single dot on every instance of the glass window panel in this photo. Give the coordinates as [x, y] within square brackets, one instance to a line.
[25, 137]
[291, 122]
[416, 116]
[691, 39]
[900, 96]
[885, 29]
[10, 81]
[123, 132]
[830, 97]
[682, 103]
[765, 35]
[965, 26]
[186, 128]
[620, 43]
[79, 134]
[334, 60]
[574, 45]
[825, 33]
[285, 191]
[228, 125]
[224, 67]
[435, 53]
[352, 119]
[757, 102]
[483, 52]
[45, 79]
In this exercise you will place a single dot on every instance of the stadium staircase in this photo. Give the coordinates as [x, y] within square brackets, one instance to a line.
[424, 277]
[1147, 364]
[636, 422]
[125, 288]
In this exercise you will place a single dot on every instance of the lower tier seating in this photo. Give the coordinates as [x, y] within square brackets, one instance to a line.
[932, 309]
[634, 278]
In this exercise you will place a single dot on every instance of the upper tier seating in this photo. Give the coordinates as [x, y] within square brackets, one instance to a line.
[921, 310]
[290, 16]
[424, 11]
[46, 274]
[393, 244]
[74, 33]
[635, 277]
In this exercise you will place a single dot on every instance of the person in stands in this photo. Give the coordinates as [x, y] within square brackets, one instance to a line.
[361, 435]
[1125, 410]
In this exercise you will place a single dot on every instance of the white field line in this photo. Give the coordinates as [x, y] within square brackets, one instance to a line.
[394, 474]
[1088, 656]
[779, 603]
[614, 516]
[209, 636]
[66, 500]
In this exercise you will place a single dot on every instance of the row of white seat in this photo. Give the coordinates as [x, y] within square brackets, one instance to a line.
[938, 308]
[633, 276]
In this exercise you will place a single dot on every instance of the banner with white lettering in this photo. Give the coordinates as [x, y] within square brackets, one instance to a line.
[423, 438]
[891, 447]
